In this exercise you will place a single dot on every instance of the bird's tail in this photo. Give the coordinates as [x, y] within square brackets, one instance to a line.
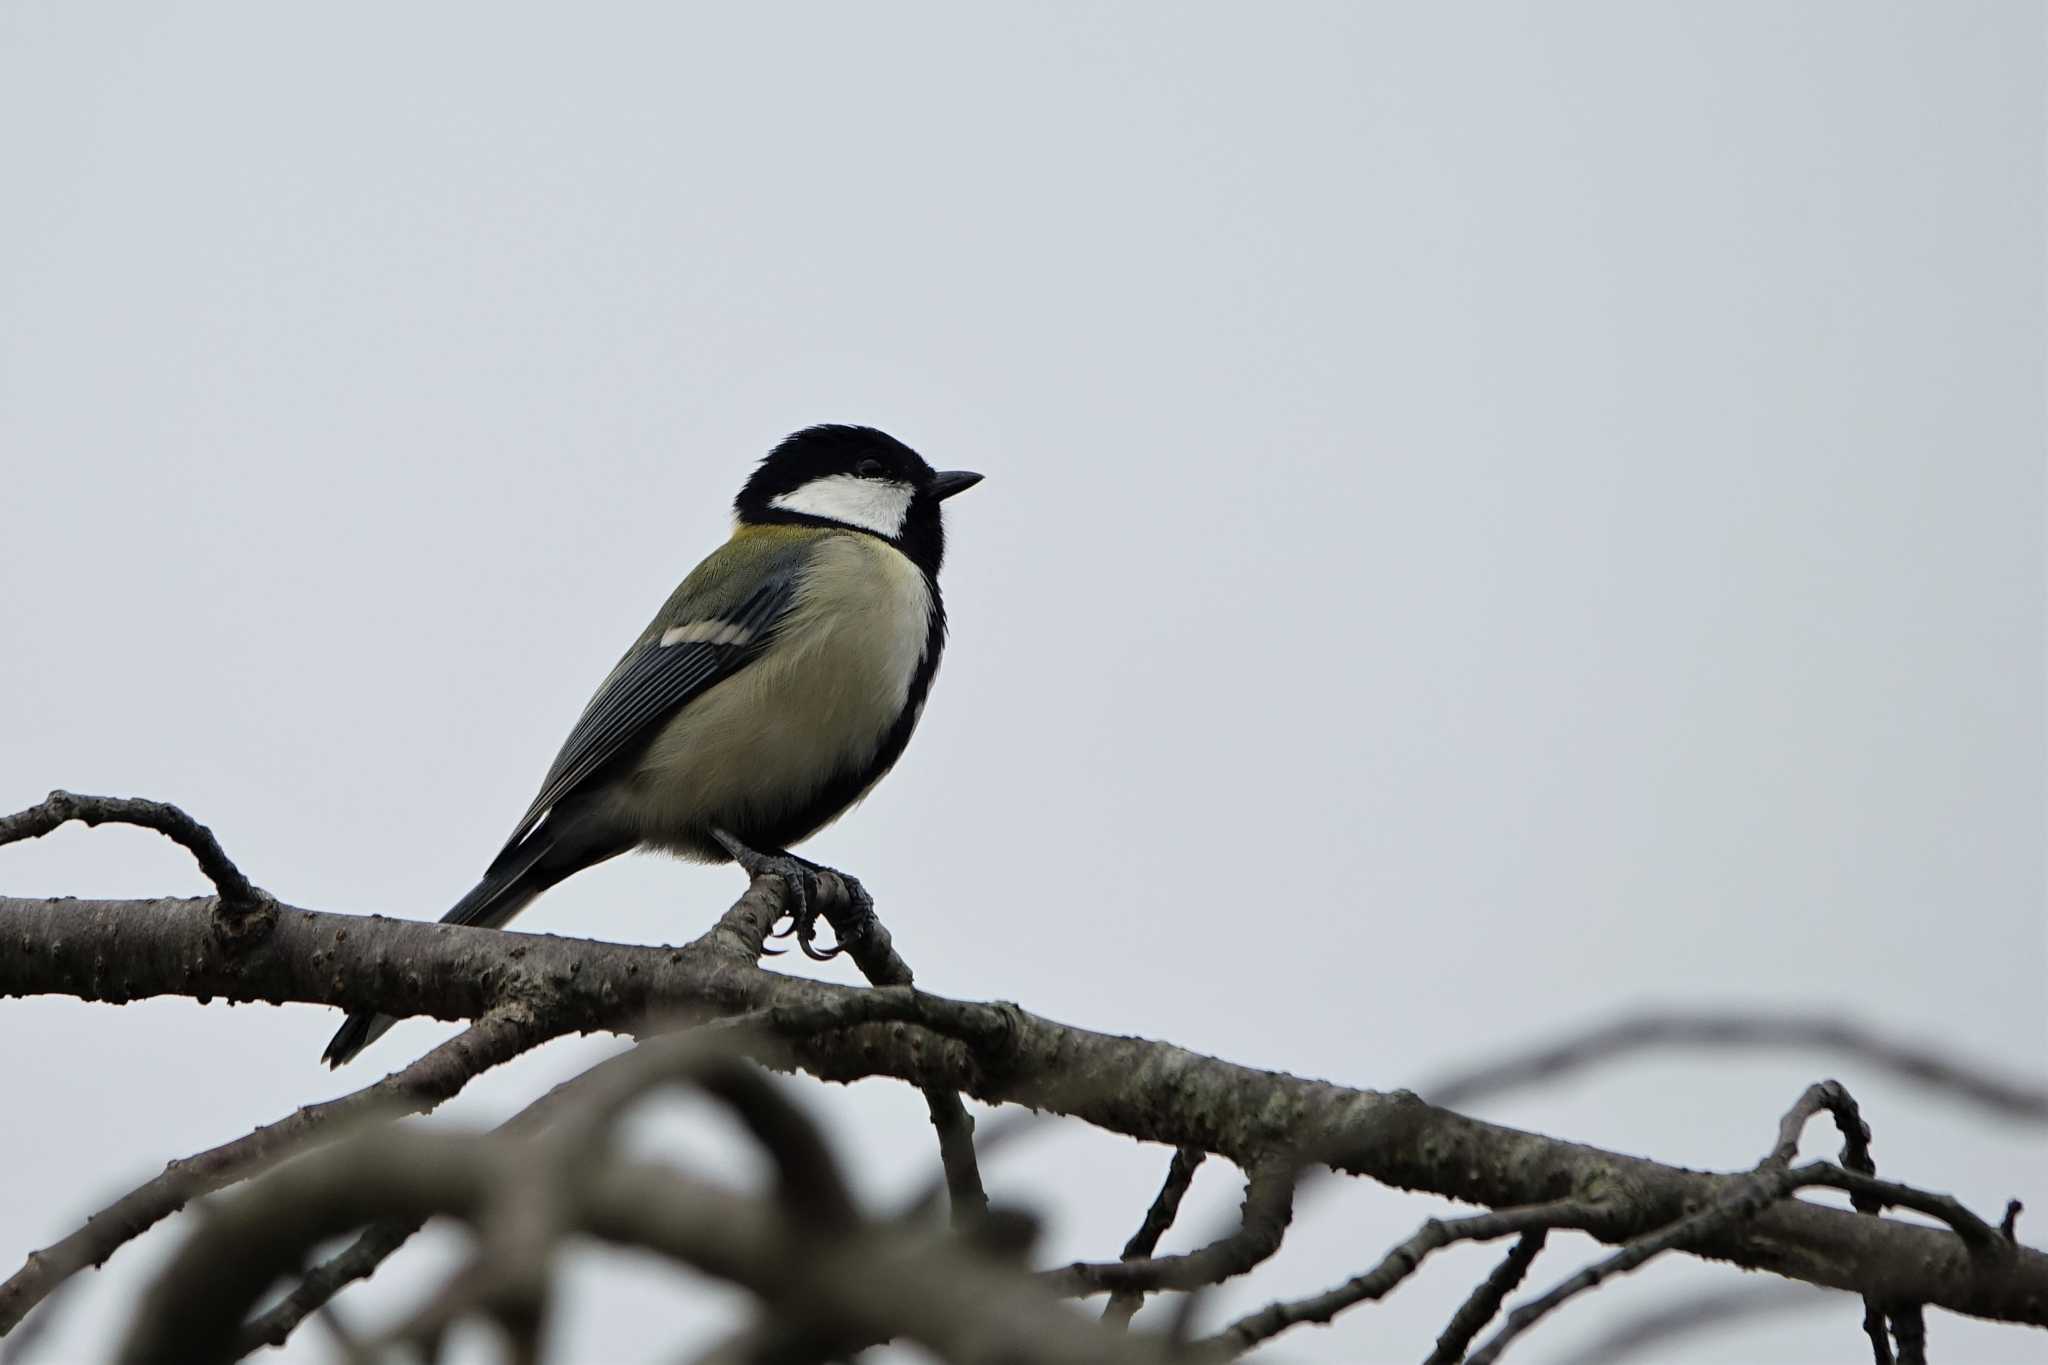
[506, 889]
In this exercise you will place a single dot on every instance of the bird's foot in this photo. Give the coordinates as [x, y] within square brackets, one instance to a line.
[806, 897]
[854, 912]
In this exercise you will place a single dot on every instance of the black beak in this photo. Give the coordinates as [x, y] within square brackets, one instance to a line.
[948, 482]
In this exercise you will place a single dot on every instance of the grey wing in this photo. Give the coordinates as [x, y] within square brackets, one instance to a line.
[649, 685]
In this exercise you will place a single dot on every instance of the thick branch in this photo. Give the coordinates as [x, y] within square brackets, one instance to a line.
[1153, 1091]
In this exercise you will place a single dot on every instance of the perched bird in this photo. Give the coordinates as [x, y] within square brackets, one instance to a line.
[770, 692]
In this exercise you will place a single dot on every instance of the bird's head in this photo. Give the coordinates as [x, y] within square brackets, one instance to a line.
[859, 478]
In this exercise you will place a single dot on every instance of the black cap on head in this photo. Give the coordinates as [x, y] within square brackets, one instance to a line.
[816, 452]
[856, 478]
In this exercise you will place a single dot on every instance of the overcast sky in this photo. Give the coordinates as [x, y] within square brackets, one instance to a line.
[1496, 514]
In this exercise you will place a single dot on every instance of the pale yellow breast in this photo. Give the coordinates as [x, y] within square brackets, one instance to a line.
[820, 701]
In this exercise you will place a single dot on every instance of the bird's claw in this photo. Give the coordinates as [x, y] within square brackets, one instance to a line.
[804, 894]
[859, 916]
[807, 893]
[806, 929]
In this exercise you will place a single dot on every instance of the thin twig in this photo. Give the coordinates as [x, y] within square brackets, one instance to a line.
[358, 1261]
[1180, 1173]
[2025, 1100]
[414, 1090]
[1771, 1180]
[1876, 1329]
[1909, 1330]
[238, 895]
[1268, 1209]
[1396, 1266]
[1485, 1300]
[874, 952]
[1979, 1237]
[1754, 1192]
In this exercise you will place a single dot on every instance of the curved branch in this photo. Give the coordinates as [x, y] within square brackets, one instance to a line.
[2004, 1096]
[238, 894]
[1268, 1209]
[810, 1185]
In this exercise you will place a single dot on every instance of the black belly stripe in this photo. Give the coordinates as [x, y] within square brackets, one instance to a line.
[848, 785]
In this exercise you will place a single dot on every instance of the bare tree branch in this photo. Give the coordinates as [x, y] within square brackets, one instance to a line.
[358, 1261]
[1603, 1043]
[1268, 1208]
[238, 895]
[526, 1194]
[1152, 1091]
[1909, 1330]
[1396, 1266]
[1833, 1097]
[1773, 1179]
[1180, 1173]
[873, 951]
[1878, 1331]
[1481, 1306]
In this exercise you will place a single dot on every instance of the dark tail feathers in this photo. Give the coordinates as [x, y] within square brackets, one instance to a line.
[504, 892]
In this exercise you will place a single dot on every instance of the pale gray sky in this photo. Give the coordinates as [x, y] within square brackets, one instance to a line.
[1495, 514]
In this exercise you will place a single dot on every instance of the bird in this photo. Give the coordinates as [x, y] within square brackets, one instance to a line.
[770, 693]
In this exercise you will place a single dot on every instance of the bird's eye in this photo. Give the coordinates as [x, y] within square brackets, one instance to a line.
[868, 469]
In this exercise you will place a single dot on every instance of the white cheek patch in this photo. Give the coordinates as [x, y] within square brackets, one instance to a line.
[876, 505]
[706, 633]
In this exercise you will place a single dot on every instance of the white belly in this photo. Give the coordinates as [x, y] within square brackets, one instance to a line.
[818, 704]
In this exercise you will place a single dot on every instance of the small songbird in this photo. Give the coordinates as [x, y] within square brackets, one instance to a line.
[770, 692]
